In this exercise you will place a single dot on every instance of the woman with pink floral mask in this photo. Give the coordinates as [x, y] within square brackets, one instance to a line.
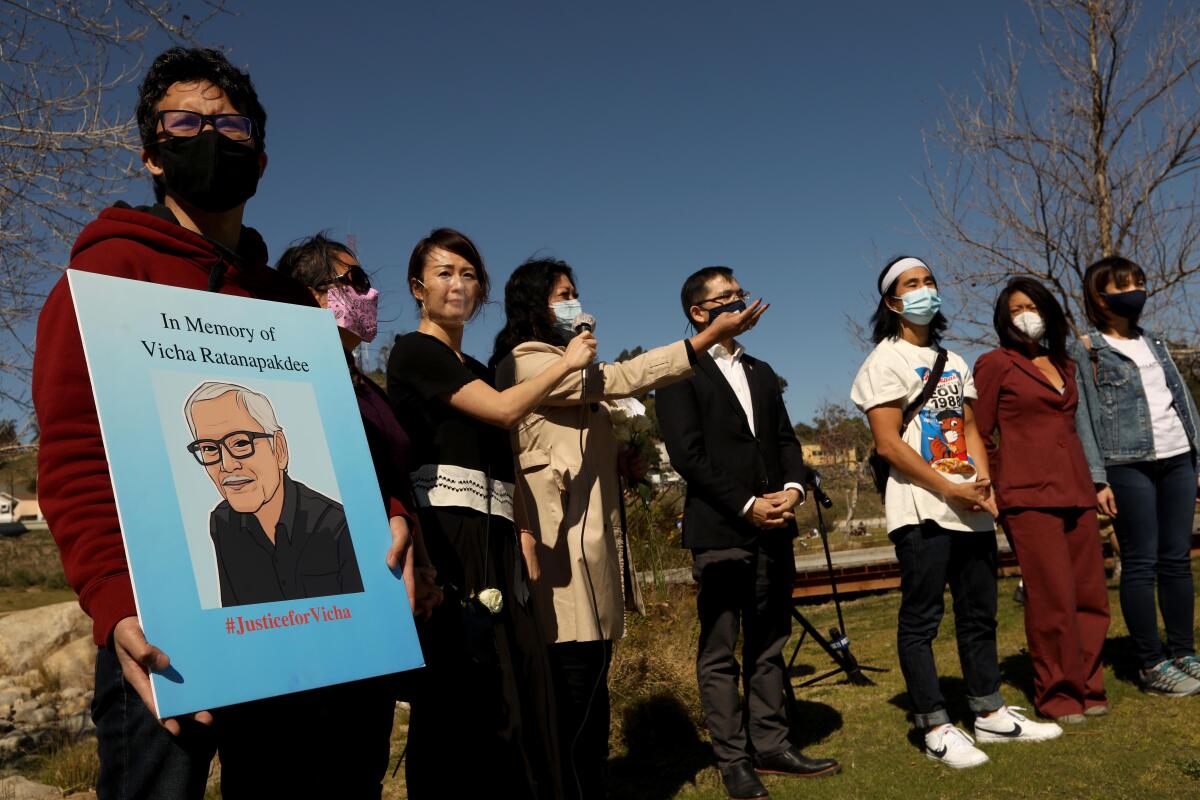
[337, 280]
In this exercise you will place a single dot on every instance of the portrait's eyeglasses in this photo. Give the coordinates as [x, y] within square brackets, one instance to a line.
[239, 444]
[728, 297]
[237, 127]
[355, 277]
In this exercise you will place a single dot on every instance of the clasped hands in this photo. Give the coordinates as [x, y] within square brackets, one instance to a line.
[773, 510]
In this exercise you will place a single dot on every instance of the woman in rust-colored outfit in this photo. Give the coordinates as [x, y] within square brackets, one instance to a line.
[1027, 393]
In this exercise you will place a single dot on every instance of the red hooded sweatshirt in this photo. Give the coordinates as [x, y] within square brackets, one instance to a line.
[73, 481]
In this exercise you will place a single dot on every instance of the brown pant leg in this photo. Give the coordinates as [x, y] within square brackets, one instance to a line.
[1051, 620]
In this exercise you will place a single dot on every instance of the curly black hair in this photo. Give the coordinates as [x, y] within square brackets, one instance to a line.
[182, 64]
[527, 306]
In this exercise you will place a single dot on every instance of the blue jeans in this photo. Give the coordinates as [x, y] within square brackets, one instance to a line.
[931, 556]
[1155, 505]
[138, 758]
[328, 742]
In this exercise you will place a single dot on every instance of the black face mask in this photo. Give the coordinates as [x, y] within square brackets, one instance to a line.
[1126, 304]
[736, 307]
[209, 170]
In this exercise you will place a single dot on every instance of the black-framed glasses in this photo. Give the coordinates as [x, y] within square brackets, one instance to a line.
[728, 297]
[239, 444]
[355, 277]
[237, 127]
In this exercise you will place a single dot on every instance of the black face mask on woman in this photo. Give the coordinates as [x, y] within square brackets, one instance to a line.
[1126, 304]
[209, 170]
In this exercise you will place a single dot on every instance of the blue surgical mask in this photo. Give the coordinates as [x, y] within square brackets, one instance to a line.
[565, 312]
[921, 305]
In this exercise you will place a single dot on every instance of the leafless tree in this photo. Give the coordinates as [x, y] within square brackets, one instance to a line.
[1078, 144]
[65, 145]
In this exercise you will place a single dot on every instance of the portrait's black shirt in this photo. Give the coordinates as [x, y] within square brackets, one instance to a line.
[312, 556]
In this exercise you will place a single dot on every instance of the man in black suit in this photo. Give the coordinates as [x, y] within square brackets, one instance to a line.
[728, 434]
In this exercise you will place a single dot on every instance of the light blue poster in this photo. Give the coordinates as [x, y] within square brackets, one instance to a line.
[251, 513]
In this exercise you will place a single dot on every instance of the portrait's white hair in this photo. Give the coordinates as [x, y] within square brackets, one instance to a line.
[257, 405]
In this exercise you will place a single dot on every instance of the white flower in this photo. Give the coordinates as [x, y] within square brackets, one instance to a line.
[492, 600]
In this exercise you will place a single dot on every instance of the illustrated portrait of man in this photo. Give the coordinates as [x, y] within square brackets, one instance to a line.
[274, 537]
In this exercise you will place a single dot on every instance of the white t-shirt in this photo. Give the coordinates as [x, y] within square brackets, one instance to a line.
[897, 370]
[1170, 438]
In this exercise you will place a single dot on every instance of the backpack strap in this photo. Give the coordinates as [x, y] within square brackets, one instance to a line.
[1093, 356]
[931, 382]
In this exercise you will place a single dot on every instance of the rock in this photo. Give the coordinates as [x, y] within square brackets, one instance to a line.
[18, 788]
[14, 694]
[13, 744]
[28, 637]
[89, 795]
[74, 664]
[37, 717]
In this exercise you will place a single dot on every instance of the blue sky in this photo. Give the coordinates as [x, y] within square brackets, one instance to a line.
[637, 141]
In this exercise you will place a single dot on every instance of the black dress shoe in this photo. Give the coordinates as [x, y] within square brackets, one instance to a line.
[793, 762]
[742, 783]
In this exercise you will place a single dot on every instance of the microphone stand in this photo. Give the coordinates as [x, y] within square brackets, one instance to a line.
[837, 646]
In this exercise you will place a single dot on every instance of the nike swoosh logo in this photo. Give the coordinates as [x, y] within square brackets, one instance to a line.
[1014, 733]
[938, 753]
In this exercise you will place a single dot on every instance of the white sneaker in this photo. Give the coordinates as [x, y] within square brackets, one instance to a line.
[953, 747]
[1006, 725]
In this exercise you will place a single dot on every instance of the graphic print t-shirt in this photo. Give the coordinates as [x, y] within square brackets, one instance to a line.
[897, 370]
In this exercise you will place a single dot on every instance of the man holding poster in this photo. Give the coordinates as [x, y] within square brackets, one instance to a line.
[203, 134]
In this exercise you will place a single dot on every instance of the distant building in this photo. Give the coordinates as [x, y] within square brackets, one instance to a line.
[19, 507]
[814, 455]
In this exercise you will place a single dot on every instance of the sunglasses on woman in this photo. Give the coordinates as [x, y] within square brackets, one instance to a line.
[354, 277]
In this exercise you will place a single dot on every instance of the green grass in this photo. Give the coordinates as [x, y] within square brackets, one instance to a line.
[1148, 747]
[30, 561]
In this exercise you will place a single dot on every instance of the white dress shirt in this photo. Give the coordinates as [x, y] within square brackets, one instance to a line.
[730, 365]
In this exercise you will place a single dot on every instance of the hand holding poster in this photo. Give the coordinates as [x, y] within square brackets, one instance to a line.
[251, 516]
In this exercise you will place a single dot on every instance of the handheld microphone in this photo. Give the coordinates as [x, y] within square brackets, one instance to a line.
[584, 322]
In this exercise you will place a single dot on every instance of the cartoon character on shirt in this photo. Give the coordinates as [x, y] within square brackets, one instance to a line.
[950, 442]
[943, 444]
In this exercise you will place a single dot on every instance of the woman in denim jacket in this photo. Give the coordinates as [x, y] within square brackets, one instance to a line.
[1138, 424]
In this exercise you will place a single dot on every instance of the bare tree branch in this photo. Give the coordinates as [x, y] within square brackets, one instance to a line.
[1105, 161]
[65, 147]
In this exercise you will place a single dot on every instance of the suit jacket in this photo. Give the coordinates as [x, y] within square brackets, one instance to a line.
[711, 446]
[312, 555]
[1037, 461]
[571, 497]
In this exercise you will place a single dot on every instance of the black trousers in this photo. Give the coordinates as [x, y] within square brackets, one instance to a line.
[330, 742]
[581, 694]
[750, 587]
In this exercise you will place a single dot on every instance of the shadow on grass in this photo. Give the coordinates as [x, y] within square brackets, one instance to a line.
[664, 751]
[1017, 670]
[812, 723]
[1119, 652]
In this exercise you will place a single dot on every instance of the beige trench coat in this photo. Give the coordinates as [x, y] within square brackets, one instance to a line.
[572, 499]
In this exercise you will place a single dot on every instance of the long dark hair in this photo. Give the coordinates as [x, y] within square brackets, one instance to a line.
[885, 323]
[1120, 271]
[1052, 314]
[451, 241]
[526, 306]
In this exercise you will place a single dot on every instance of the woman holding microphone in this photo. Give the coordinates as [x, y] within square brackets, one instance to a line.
[483, 722]
[575, 545]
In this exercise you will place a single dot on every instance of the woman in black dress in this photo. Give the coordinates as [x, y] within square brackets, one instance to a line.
[483, 721]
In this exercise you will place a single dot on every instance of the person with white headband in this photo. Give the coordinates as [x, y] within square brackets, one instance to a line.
[939, 506]
[1028, 393]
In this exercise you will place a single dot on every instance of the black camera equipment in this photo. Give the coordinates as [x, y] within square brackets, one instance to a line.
[837, 646]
